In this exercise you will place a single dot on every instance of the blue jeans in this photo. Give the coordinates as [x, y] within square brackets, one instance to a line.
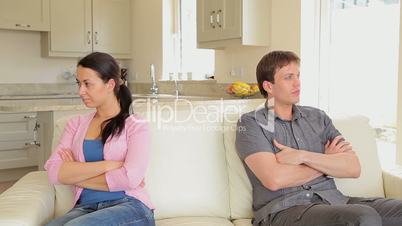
[126, 211]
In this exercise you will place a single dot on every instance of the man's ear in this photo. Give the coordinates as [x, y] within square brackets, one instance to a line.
[267, 87]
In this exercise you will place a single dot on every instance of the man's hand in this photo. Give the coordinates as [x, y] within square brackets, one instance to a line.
[67, 155]
[288, 155]
[337, 145]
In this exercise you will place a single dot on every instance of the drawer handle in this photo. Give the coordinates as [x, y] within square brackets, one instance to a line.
[23, 25]
[29, 117]
[32, 143]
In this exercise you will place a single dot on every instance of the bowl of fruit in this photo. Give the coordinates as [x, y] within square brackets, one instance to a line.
[242, 89]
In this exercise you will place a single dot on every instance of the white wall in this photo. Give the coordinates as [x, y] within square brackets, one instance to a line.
[21, 61]
[245, 57]
[147, 39]
[285, 35]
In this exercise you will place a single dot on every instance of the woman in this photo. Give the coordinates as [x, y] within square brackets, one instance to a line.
[104, 154]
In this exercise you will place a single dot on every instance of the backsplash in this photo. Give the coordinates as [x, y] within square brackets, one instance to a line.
[186, 88]
[35, 89]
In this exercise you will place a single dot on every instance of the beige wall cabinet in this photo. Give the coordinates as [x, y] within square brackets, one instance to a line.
[30, 15]
[48, 128]
[18, 140]
[79, 27]
[222, 23]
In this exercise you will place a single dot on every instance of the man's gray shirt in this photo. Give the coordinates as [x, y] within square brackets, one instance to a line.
[309, 130]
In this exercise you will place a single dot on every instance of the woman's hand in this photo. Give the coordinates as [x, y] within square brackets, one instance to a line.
[111, 165]
[67, 155]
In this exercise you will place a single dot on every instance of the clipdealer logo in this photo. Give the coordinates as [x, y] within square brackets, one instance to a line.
[183, 114]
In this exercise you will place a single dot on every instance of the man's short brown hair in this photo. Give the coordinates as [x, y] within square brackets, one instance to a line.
[272, 62]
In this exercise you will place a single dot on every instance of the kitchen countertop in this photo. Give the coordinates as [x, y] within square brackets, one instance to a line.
[59, 102]
[42, 97]
[34, 105]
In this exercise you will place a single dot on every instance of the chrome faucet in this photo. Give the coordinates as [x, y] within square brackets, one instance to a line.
[154, 87]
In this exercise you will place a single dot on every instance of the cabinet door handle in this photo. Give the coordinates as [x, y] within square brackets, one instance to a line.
[96, 38]
[211, 19]
[23, 25]
[29, 116]
[218, 18]
[89, 37]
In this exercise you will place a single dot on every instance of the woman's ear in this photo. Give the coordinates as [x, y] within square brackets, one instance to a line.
[111, 84]
[267, 87]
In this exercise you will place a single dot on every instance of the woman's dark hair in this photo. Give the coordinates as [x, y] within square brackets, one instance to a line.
[107, 68]
[270, 63]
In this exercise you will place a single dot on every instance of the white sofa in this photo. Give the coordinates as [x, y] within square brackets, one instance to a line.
[195, 177]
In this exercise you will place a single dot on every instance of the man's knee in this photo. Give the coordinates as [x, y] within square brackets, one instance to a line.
[361, 215]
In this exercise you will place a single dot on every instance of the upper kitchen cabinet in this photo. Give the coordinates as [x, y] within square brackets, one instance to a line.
[79, 27]
[32, 15]
[223, 23]
[112, 26]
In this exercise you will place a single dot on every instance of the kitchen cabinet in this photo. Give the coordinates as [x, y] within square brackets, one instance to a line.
[223, 23]
[30, 15]
[19, 146]
[48, 128]
[79, 27]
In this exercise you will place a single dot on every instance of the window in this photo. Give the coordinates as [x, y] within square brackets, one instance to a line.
[356, 62]
[181, 55]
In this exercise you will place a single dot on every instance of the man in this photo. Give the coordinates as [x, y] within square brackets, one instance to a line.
[291, 153]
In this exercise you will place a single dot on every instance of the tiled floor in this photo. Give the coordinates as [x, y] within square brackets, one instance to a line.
[5, 185]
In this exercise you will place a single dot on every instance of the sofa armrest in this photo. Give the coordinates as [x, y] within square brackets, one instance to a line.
[30, 201]
[393, 182]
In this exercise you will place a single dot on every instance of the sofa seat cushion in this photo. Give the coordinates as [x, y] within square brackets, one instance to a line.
[194, 221]
[242, 222]
[29, 202]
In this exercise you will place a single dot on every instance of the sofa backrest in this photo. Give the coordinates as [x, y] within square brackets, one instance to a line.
[187, 174]
[195, 169]
[63, 193]
[354, 128]
[357, 130]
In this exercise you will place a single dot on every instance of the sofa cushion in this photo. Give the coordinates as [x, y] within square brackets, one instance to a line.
[241, 199]
[64, 196]
[187, 175]
[239, 184]
[194, 221]
[357, 130]
[28, 202]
